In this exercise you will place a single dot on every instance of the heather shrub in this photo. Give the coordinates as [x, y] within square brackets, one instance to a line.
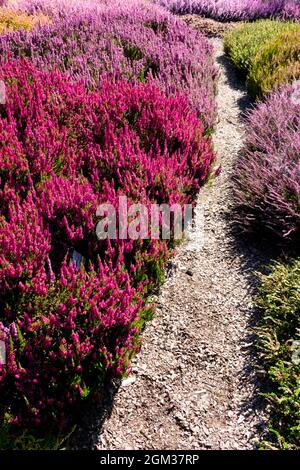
[291, 10]
[11, 20]
[60, 344]
[61, 8]
[136, 41]
[72, 306]
[279, 345]
[276, 64]
[268, 173]
[235, 10]
[243, 43]
[25, 246]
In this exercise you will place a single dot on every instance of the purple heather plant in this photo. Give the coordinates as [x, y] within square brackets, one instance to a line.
[136, 41]
[235, 10]
[268, 174]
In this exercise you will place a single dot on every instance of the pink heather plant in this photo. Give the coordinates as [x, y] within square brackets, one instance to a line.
[25, 246]
[268, 174]
[233, 10]
[60, 345]
[136, 41]
[64, 150]
[291, 10]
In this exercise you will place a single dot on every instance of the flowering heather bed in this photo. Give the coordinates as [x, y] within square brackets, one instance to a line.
[136, 41]
[234, 10]
[279, 339]
[65, 149]
[268, 174]
[104, 101]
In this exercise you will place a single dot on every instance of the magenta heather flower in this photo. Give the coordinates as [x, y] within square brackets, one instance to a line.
[25, 245]
[65, 150]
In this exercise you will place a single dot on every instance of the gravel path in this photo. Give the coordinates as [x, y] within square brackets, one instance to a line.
[193, 385]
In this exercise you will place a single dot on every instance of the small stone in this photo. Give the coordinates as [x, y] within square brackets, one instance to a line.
[128, 381]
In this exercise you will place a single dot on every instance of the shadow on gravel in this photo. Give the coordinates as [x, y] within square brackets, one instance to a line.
[235, 83]
[254, 253]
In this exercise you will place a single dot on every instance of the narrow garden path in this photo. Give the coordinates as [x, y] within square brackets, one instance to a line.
[193, 385]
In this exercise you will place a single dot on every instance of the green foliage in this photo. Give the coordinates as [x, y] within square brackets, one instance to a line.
[279, 333]
[244, 42]
[276, 64]
[15, 438]
[266, 53]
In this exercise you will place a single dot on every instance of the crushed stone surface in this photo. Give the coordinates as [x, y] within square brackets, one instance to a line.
[209, 27]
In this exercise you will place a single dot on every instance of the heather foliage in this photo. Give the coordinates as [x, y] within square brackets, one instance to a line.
[19, 438]
[268, 173]
[243, 43]
[136, 41]
[234, 10]
[10, 20]
[61, 8]
[276, 64]
[267, 191]
[265, 52]
[64, 150]
[279, 345]
[62, 342]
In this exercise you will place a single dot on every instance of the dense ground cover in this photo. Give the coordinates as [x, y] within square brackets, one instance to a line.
[266, 53]
[133, 41]
[65, 148]
[276, 64]
[234, 10]
[268, 172]
[279, 344]
[129, 126]
[243, 43]
[267, 177]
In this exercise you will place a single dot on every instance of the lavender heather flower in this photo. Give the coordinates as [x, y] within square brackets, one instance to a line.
[235, 10]
[136, 41]
[268, 173]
